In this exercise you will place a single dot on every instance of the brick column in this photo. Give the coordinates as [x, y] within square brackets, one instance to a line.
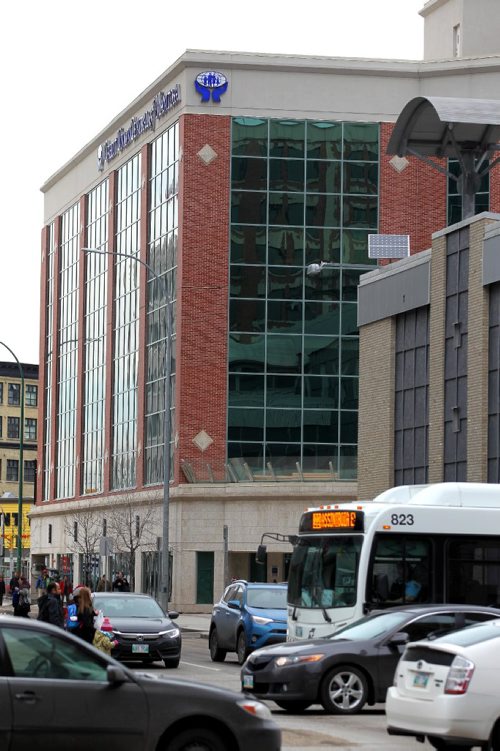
[436, 359]
[39, 479]
[80, 383]
[143, 274]
[376, 408]
[477, 359]
[110, 342]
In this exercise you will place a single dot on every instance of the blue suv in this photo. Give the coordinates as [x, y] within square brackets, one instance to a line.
[249, 615]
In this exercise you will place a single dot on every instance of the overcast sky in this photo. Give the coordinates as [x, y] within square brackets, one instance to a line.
[68, 68]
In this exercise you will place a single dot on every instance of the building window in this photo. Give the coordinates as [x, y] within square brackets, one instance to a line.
[50, 534]
[14, 391]
[457, 42]
[30, 471]
[12, 470]
[482, 198]
[301, 192]
[1, 421]
[31, 395]
[1, 393]
[13, 427]
[30, 429]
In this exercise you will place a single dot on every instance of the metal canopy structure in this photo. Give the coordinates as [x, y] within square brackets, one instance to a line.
[447, 127]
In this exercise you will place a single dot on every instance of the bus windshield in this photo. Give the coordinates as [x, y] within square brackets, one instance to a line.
[324, 571]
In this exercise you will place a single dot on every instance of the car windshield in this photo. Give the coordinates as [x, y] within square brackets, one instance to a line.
[372, 626]
[474, 634]
[268, 599]
[122, 606]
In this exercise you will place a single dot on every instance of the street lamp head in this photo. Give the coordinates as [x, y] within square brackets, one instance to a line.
[315, 268]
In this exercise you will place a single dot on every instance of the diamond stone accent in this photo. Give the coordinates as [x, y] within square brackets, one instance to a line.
[207, 154]
[399, 163]
[202, 440]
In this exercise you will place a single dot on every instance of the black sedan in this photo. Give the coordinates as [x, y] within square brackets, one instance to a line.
[59, 693]
[356, 665]
[141, 628]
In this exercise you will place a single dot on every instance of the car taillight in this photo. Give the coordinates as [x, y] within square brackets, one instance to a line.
[459, 677]
[106, 624]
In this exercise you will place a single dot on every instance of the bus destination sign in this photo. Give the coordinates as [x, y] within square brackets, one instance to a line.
[329, 521]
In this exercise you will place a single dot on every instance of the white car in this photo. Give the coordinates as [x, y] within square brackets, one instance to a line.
[448, 690]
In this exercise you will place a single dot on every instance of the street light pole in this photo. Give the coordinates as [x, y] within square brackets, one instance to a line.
[21, 467]
[167, 429]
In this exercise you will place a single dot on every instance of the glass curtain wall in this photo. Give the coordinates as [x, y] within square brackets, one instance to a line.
[95, 340]
[126, 327]
[68, 346]
[162, 257]
[49, 344]
[302, 192]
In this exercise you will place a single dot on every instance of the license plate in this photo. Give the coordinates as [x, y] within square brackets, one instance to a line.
[248, 681]
[141, 649]
[421, 680]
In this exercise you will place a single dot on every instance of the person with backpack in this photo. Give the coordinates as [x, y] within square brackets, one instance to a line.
[50, 608]
[23, 606]
[2, 589]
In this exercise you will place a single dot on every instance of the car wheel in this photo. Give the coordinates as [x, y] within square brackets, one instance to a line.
[172, 662]
[494, 741]
[441, 745]
[294, 707]
[201, 739]
[344, 691]
[241, 647]
[216, 654]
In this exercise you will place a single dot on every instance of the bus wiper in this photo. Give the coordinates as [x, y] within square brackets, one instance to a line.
[294, 614]
[325, 615]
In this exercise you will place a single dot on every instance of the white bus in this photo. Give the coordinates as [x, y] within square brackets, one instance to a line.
[414, 543]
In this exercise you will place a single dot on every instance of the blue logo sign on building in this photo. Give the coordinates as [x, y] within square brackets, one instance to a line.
[210, 83]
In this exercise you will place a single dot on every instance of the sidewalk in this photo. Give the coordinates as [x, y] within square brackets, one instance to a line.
[187, 622]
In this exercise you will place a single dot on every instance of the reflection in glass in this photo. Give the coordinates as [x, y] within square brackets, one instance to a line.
[245, 424]
[246, 353]
[350, 282]
[355, 247]
[247, 315]
[248, 244]
[249, 174]
[361, 141]
[323, 177]
[284, 316]
[322, 317]
[360, 211]
[284, 353]
[249, 136]
[350, 356]
[321, 392]
[284, 425]
[322, 245]
[324, 140]
[286, 247]
[286, 175]
[248, 208]
[321, 426]
[286, 209]
[286, 138]
[361, 177]
[323, 210]
[248, 281]
[324, 286]
[246, 390]
[321, 355]
[285, 282]
[283, 390]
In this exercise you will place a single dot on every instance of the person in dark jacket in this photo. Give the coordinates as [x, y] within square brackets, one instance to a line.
[121, 584]
[50, 607]
[2, 589]
[23, 605]
[14, 582]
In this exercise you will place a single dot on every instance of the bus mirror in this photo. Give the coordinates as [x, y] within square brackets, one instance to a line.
[260, 556]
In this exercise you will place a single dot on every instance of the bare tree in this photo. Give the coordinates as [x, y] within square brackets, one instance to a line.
[132, 524]
[84, 531]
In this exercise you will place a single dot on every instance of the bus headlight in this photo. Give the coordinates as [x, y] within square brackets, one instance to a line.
[282, 662]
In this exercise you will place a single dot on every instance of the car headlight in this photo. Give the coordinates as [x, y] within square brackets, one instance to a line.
[281, 662]
[255, 708]
[260, 620]
[172, 632]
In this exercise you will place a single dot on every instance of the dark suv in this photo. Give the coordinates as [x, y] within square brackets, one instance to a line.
[249, 615]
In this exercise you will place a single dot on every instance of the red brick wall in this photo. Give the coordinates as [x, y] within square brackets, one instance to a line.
[202, 316]
[412, 202]
[495, 189]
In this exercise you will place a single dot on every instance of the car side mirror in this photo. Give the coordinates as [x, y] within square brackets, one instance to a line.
[173, 614]
[399, 639]
[234, 604]
[116, 675]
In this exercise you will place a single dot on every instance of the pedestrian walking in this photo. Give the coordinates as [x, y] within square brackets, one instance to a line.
[50, 608]
[103, 585]
[85, 614]
[23, 605]
[2, 589]
[121, 584]
[66, 588]
[40, 583]
[14, 582]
